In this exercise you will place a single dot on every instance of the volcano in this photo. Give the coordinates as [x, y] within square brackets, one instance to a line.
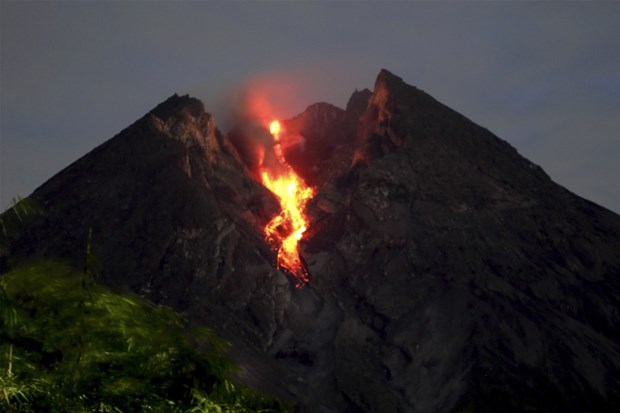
[445, 272]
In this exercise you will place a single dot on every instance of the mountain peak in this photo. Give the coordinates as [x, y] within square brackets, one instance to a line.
[358, 101]
[175, 105]
[385, 77]
[183, 118]
[391, 88]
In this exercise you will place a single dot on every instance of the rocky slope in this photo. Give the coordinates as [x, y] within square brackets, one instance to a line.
[447, 272]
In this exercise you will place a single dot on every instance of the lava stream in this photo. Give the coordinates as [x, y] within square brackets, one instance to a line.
[286, 229]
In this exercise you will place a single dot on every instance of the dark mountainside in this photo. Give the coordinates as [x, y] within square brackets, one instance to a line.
[447, 272]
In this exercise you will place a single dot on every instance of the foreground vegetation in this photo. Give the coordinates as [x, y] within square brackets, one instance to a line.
[68, 344]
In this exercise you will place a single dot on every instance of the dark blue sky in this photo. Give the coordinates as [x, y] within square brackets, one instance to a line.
[543, 76]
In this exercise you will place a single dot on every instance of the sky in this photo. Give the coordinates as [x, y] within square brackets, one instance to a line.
[545, 76]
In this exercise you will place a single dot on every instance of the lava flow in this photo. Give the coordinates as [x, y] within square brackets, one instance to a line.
[286, 229]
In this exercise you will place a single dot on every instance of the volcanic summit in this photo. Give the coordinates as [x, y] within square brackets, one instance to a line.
[445, 272]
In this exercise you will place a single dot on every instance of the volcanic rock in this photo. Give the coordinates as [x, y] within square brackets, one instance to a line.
[329, 139]
[447, 272]
[471, 275]
[172, 215]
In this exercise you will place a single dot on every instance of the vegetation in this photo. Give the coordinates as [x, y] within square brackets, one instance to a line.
[19, 210]
[11, 224]
[68, 344]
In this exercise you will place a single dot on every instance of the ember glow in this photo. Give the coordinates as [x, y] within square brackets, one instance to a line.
[274, 129]
[286, 229]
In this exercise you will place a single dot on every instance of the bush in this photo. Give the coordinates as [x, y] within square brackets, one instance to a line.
[70, 345]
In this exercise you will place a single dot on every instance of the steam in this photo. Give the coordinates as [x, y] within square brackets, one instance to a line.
[248, 112]
[244, 114]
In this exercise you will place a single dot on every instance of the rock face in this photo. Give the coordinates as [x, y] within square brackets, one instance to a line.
[473, 280]
[172, 215]
[447, 272]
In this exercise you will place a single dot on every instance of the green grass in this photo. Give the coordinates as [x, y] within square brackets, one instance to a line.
[68, 344]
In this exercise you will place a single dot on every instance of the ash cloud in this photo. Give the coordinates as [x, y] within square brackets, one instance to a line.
[246, 117]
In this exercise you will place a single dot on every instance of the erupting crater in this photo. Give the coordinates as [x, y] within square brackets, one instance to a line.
[286, 229]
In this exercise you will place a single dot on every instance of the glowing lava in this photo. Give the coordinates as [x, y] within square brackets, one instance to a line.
[285, 230]
[274, 129]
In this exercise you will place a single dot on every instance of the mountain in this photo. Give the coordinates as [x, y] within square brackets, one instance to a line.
[447, 272]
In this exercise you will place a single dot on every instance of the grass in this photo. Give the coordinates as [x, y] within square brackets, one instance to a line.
[68, 344]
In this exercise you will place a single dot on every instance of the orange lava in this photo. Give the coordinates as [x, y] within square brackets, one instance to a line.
[286, 229]
[275, 128]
